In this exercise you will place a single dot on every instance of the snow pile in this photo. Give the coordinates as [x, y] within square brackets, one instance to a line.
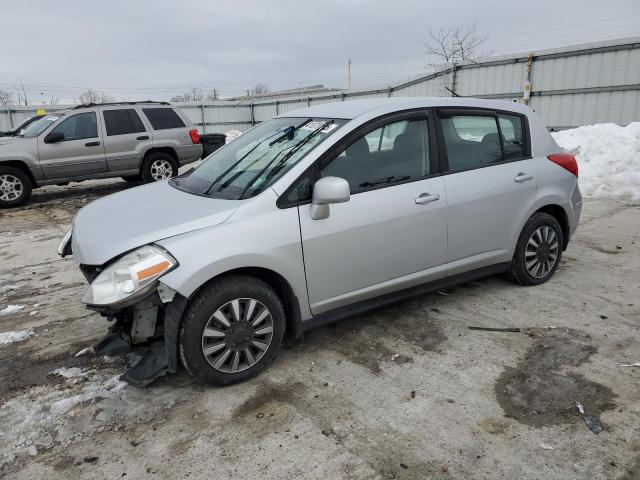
[232, 135]
[68, 372]
[11, 309]
[15, 336]
[608, 159]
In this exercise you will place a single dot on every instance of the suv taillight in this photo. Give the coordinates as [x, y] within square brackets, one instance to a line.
[195, 136]
[566, 161]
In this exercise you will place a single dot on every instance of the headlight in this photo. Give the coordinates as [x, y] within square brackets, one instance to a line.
[130, 276]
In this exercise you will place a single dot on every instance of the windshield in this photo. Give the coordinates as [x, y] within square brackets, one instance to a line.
[255, 160]
[36, 128]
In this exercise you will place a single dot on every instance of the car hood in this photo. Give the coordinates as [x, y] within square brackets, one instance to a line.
[123, 221]
[6, 142]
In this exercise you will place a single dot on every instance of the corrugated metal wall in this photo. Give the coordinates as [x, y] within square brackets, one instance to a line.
[571, 86]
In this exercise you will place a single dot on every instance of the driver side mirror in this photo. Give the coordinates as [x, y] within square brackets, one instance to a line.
[54, 137]
[326, 191]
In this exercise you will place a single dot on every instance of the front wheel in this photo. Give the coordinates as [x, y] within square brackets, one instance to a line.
[538, 251]
[232, 330]
[15, 187]
[158, 166]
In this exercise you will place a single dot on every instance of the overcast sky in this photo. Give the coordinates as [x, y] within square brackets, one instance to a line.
[156, 49]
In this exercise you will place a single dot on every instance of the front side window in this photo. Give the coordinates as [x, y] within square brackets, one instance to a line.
[163, 118]
[471, 141]
[36, 128]
[396, 152]
[123, 121]
[255, 160]
[77, 127]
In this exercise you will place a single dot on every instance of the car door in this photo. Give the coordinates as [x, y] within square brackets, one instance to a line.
[80, 153]
[125, 139]
[490, 183]
[391, 234]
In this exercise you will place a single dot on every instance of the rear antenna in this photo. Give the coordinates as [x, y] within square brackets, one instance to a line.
[454, 93]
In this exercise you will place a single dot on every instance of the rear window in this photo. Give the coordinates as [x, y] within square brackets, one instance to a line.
[163, 118]
[120, 122]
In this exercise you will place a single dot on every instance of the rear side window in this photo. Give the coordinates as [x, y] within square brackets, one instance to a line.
[76, 127]
[163, 118]
[471, 141]
[511, 127]
[120, 122]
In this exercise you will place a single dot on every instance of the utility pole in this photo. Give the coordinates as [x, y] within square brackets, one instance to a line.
[349, 74]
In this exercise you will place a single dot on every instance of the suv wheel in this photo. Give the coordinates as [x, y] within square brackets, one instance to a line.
[538, 251]
[15, 187]
[232, 330]
[158, 166]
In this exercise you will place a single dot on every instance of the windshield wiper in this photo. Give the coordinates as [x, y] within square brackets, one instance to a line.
[385, 180]
[287, 131]
[289, 154]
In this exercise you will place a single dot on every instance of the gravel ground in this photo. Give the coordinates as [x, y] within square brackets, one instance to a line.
[405, 392]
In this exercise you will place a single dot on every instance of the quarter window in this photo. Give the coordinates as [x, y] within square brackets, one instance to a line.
[396, 152]
[120, 122]
[512, 136]
[82, 125]
[471, 141]
[163, 118]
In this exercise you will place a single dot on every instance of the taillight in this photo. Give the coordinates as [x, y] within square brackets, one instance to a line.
[566, 161]
[195, 136]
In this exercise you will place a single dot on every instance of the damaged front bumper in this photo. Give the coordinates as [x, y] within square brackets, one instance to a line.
[149, 326]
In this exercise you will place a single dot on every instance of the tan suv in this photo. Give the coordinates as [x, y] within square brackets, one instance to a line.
[138, 141]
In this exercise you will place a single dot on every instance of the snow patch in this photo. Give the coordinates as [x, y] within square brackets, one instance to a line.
[232, 135]
[68, 372]
[11, 309]
[608, 159]
[84, 351]
[15, 336]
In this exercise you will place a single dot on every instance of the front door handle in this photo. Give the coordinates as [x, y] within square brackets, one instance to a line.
[426, 198]
[92, 144]
[522, 177]
[143, 137]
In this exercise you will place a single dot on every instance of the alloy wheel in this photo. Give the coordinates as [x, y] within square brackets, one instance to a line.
[11, 187]
[541, 253]
[161, 169]
[237, 335]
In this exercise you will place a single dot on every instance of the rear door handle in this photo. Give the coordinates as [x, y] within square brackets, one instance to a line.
[92, 144]
[426, 198]
[522, 177]
[143, 137]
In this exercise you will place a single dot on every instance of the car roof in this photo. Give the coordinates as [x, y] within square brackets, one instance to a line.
[351, 109]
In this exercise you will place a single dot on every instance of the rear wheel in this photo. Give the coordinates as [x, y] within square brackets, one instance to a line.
[538, 251]
[15, 187]
[232, 330]
[158, 166]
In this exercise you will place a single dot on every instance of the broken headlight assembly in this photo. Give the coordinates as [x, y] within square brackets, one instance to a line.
[130, 277]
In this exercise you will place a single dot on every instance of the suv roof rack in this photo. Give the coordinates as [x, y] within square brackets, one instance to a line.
[87, 105]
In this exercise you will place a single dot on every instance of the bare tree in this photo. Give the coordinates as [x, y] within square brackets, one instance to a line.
[94, 96]
[260, 89]
[454, 44]
[193, 95]
[213, 95]
[21, 92]
[5, 97]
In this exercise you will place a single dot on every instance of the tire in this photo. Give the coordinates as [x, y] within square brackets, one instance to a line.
[202, 356]
[132, 178]
[158, 166]
[15, 187]
[531, 264]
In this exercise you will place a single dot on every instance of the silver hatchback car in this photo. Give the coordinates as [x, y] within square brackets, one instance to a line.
[316, 215]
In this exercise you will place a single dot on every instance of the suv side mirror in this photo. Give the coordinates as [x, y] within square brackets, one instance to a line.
[54, 137]
[328, 190]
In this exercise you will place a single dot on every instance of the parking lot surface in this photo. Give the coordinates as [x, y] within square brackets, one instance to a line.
[404, 392]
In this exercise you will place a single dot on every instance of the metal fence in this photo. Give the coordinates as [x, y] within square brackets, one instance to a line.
[568, 87]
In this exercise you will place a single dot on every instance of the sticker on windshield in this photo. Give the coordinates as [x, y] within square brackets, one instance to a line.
[315, 125]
